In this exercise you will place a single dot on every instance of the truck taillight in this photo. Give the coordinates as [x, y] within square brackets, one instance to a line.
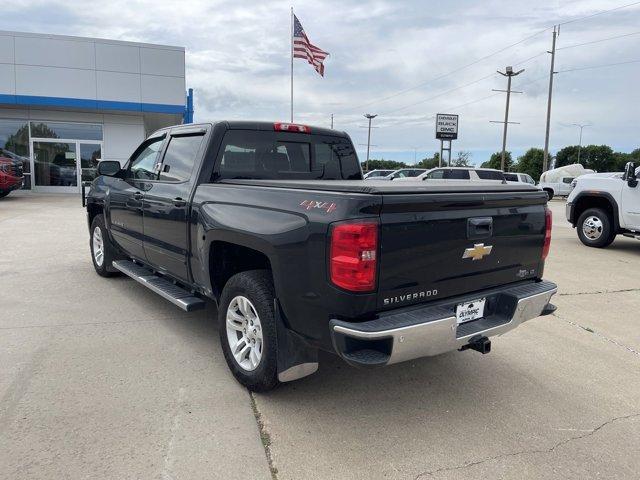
[548, 220]
[291, 127]
[353, 255]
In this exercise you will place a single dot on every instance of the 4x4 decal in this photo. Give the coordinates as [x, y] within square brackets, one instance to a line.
[328, 207]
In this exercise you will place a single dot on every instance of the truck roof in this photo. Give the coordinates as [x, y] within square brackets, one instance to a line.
[253, 125]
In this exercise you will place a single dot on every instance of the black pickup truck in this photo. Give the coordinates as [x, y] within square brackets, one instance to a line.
[274, 223]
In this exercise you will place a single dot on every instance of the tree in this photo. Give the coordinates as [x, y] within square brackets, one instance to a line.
[383, 165]
[462, 160]
[531, 163]
[495, 161]
[568, 156]
[598, 157]
[429, 163]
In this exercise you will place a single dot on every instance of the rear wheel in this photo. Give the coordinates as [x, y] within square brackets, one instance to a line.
[248, 329]
[4, 193]
[102, 250]
[595, 228]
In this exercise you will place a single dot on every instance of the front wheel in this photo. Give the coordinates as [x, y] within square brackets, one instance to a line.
[4, 193]
[595, 228]
[549, 193]
[102, 251]
[248, 329]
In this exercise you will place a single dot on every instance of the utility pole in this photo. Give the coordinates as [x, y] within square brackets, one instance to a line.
[369, 117]
[580, 143]
[332, 121]
[545, 161]
[509, 73]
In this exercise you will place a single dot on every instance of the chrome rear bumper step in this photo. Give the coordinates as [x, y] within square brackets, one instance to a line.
[177, 295]
[398, 336]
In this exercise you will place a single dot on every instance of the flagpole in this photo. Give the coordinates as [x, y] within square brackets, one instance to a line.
[292, 31]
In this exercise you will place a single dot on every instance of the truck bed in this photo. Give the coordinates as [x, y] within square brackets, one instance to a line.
[388, 188]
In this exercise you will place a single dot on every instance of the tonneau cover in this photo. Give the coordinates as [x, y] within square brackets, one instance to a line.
[388, 188]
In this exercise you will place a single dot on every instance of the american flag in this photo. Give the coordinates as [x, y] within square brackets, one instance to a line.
[303, 48]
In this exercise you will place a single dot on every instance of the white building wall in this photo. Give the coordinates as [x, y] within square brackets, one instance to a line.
[91, 69]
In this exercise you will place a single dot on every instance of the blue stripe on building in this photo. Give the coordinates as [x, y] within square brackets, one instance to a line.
[32, 100]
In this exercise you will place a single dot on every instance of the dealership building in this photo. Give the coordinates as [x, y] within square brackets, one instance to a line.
[68, 102]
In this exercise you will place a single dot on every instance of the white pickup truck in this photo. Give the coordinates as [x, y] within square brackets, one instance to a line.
[603, 205]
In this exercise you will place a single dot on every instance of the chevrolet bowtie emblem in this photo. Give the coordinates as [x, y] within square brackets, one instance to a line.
[477, 252]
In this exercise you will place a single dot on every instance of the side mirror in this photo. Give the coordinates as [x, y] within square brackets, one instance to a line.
[108, 168]
[630, 175]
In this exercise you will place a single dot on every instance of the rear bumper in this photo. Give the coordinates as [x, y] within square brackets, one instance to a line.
[404, 335]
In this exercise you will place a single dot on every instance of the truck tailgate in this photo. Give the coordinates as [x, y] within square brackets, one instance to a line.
[434, 246]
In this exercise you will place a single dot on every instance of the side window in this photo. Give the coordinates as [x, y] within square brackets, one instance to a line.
[490, 175]
[567, 180]
[436, 174]
[143, 164]
[455, 174]
[180, 157]
[529, 179]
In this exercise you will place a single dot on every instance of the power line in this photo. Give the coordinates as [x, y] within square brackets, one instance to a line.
[586, 17]
[519, 63]
[598, 66]
[475, 62]
[440, 94]
[598, 41]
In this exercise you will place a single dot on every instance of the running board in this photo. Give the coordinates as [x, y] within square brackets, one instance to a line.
[160, 285]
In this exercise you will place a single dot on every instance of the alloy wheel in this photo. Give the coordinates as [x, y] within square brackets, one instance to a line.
[244, 333]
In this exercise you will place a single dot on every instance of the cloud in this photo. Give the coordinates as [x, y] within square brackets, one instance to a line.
[238, 63]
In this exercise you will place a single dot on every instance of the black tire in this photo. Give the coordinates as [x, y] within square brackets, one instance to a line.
[109, 250]
[257, 287]
[549, 193]
[4, 193]
[604, 228]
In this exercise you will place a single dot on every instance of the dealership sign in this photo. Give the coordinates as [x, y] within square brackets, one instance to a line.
[446, 126]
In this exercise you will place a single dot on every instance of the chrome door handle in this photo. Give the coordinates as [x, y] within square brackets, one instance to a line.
[138, 195]
[179, 202]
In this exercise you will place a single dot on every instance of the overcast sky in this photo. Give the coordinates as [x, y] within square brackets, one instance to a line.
[391, 58]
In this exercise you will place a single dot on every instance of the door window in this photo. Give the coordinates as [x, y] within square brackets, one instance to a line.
[436, 174]
[143, 163]
[455, 174]
[490, 175]
[180, 158]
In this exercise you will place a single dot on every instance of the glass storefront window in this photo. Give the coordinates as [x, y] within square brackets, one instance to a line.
[76, 131]
[90, 155]
[14, 149]
[55, 164]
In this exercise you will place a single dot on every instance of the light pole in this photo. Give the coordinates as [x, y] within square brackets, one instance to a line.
[580, 126]
[369, 117]
[507, 73]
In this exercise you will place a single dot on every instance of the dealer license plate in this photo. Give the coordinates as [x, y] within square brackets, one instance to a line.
[465, 312]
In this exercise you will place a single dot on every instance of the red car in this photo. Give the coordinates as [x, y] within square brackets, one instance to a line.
[11, 176]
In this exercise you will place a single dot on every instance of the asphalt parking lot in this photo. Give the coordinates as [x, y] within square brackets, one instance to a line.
[100, 378]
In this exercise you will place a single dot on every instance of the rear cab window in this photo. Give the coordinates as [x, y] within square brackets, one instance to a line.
[511, 177]
[249, 154]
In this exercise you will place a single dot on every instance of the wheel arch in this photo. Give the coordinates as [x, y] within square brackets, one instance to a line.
[603, 200]
[227, 258]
